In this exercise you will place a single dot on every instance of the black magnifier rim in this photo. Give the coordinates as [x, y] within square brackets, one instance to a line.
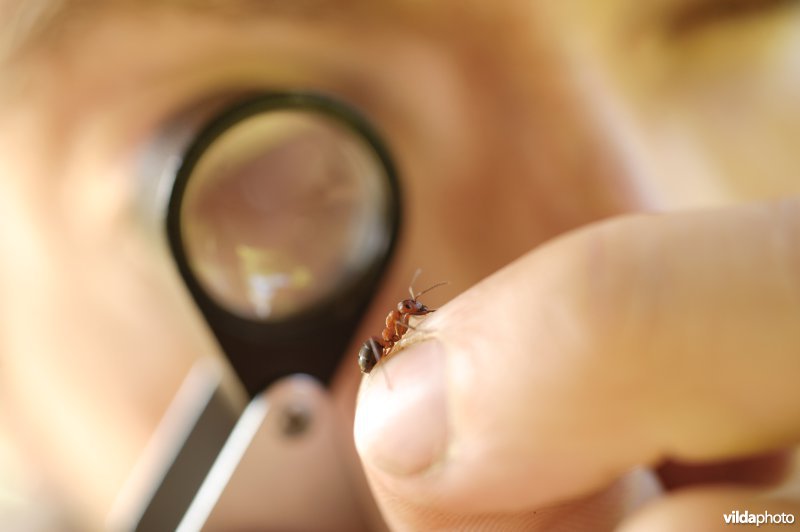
[343, 300]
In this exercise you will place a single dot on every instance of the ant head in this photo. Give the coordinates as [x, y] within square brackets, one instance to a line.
[413, 307]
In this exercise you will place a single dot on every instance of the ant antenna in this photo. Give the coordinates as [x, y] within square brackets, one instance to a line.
[411, 284]
[414, 279]
[437, 285]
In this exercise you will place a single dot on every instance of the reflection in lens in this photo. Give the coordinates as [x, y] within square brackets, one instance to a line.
[281, 209]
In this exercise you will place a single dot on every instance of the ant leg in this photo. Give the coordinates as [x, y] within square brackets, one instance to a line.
[417, 327]
[406, 325]
[373, 345]
[376, 353]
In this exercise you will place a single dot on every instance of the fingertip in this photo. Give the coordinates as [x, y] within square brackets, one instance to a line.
[401, 417]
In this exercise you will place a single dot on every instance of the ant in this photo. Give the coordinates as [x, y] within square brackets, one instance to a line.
[396, 326]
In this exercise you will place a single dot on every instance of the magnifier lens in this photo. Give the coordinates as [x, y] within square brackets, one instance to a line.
[281, 209]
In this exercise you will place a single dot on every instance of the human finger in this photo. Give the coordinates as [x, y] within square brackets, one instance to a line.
[714, 508]
[631, 341]
[599, 511]
[761, 470]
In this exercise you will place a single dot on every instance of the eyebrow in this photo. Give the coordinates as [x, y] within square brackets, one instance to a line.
[25, 24]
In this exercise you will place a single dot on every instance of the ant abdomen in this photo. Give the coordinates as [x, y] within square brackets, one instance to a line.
[369, 355]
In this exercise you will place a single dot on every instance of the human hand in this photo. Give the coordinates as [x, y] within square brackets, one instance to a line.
[631, 342]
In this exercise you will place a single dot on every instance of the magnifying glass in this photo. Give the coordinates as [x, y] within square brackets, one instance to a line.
[282, 217]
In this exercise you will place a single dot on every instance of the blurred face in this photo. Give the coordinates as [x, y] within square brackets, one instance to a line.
[510, 122]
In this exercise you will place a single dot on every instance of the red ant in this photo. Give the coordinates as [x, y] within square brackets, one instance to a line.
[396, 326]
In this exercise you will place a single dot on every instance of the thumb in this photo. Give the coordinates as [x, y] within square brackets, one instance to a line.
[615, 346]
[467, 417]
[404, 436]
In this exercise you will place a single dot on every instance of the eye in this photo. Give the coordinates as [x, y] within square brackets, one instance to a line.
[695, 15]
[280, 201]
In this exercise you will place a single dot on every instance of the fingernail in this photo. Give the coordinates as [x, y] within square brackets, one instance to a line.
[401, 417]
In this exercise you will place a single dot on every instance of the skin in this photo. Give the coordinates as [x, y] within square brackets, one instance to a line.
[584, 339]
